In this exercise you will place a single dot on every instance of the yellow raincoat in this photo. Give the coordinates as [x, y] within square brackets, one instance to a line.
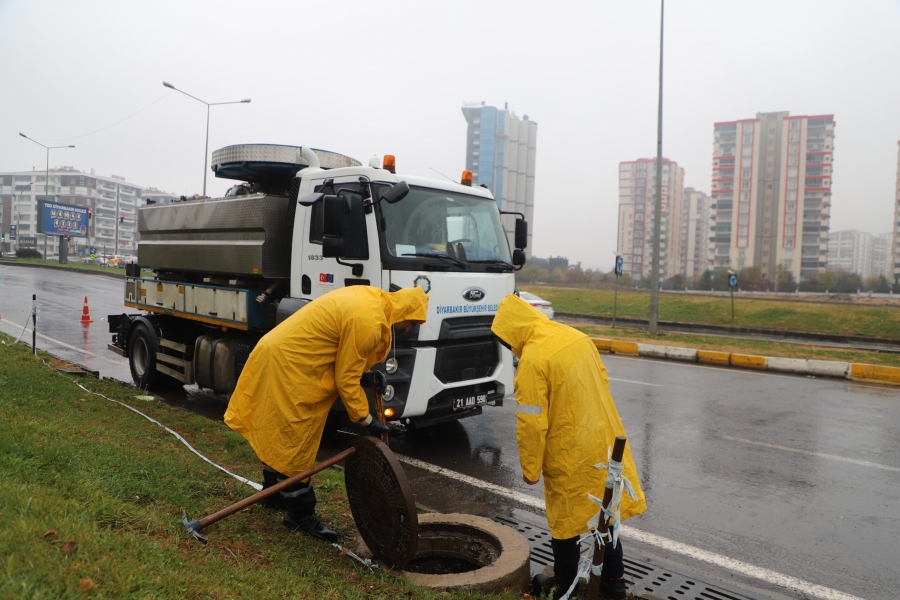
[566, 416]
[298, 369]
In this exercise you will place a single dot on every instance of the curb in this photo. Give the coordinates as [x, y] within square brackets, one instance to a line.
[794, 366]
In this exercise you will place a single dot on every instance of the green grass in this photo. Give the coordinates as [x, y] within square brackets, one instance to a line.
[91, 496]
[745, 346]
[840, 319]
[70, 265]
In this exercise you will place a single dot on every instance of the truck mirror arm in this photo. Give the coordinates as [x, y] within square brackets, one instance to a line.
[356, 268]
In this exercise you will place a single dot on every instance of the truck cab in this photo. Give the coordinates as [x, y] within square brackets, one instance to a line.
[345, 225]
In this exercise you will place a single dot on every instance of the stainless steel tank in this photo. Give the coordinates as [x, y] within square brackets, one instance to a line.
[247, 236]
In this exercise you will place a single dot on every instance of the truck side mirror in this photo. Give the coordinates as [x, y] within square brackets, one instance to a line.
[396, 192]
[521, 235]
[518, 257]
[310, 199]
[332, 247]
[334, 209]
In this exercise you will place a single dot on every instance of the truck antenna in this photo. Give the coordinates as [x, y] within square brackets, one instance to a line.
[441, 174]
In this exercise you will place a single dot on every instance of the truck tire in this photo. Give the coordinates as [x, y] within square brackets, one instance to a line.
[143, 344]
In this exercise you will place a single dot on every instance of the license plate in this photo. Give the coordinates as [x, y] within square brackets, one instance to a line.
[470, 401]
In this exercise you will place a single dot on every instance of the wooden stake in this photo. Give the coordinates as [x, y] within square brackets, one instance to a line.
[603, 527]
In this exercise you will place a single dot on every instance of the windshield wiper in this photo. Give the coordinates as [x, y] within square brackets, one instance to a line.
[495, 261]
[441, 256]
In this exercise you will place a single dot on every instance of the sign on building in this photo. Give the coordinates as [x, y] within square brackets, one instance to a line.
[28, 242]
[62, 219]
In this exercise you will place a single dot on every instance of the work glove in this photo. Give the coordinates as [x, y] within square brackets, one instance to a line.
[376, 380]
[376, 429]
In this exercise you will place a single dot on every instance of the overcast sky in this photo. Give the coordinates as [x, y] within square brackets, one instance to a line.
[367, 78]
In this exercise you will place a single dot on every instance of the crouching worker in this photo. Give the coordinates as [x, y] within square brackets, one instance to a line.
[296, 372]
[566, 421]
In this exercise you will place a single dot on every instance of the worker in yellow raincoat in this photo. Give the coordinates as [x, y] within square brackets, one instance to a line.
[296, 372]
[566, 422]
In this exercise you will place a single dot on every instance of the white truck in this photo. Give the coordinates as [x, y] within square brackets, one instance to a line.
[304, 222]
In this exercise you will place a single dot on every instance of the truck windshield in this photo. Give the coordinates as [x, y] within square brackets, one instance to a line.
[435, 222]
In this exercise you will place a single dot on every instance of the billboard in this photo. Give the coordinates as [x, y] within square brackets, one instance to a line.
[28, 242]
[62, 219]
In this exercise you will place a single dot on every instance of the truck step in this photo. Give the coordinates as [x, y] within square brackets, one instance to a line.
[173, 345]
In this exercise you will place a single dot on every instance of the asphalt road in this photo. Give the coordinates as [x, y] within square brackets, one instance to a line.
[796, 476]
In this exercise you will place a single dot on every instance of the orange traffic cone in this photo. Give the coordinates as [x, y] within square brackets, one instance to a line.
[85, 313]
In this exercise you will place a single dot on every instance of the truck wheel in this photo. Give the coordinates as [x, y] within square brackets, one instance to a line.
[142, 348]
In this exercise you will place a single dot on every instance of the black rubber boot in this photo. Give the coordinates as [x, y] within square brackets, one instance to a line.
[542, 584]
[270, 478]
[312, 527]
[612, 589]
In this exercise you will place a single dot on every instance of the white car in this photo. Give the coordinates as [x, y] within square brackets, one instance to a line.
[539, 303]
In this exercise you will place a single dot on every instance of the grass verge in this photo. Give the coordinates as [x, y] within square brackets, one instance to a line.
[744, 346]
[838, 319]
[91, 497]
[72, 265]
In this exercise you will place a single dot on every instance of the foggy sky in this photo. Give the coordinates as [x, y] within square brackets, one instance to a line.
[367, 78]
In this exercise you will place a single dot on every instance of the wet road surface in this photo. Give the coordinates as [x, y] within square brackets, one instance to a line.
[800, 476]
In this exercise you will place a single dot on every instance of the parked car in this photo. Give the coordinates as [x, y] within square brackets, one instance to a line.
[539, 303]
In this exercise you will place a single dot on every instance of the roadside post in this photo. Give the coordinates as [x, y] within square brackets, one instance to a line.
[732, 283]
[618, 271]
[34, 323]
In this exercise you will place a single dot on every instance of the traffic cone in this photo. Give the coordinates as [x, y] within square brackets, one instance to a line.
[85, 313]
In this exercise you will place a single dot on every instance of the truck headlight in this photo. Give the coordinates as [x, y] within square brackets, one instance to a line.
[388, 393]
[391, 365]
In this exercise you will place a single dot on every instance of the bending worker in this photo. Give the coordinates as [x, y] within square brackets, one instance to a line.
[296, 372]
[566, 421]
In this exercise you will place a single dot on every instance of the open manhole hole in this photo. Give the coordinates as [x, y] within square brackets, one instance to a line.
[467, 552]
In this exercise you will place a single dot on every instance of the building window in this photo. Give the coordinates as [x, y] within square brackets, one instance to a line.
[795, 136]
[745, 173]
[795, 124]
[788, 243]
[794, 148]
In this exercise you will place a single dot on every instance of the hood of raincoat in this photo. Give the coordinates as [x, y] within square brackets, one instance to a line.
[408, 304]
[516, 321]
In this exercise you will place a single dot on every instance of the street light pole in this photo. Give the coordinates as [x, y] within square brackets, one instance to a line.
[208, 104]
[657, 215]
[46, 181]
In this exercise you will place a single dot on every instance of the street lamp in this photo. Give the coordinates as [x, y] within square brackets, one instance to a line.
[208, 104]
[47, 181]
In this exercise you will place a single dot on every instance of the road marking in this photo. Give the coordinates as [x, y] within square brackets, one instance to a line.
[637, 382]
[773, 577]
[63, 344]
[863, 463]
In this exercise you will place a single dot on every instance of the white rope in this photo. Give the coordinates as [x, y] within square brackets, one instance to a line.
[619, 483]
[24, 329]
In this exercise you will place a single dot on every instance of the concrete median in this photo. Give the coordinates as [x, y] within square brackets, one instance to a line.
[874, 373]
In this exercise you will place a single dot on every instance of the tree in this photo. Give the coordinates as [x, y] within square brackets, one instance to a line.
[784, 279]
[721, 281]
[676, 282]
[704, 281]
[878, 285]
[626, 279]
[749, 277]
[531, 273]
[576, 275]
[827, 280]
[557, 276]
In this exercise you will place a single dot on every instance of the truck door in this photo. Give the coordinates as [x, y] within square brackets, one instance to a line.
[360, 243]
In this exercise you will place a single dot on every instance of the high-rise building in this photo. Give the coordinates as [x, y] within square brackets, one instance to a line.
[771, 193]
[881, 255]
[895, 227]
[501, 150]
[112, 200]
[694, 233]
[637, 194]
[851, 251]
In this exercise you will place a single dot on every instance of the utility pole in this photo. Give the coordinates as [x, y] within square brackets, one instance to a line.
[657, 214]
[47, 181]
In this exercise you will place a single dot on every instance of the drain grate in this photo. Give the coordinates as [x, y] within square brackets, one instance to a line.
[645, 575]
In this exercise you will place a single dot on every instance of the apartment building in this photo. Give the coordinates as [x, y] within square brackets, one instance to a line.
[895, 228]
[881, 255]
[851, 251]
[113, 201]
[501, 151]
[637, 195]
[694, 233]
[771, 193]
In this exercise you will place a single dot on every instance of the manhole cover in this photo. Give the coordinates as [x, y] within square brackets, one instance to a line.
[645, 575]
[382, 502]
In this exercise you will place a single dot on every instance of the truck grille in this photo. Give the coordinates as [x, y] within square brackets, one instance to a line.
[465, 362]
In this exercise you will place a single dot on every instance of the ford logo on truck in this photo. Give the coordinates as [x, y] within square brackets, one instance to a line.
[474, 294]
